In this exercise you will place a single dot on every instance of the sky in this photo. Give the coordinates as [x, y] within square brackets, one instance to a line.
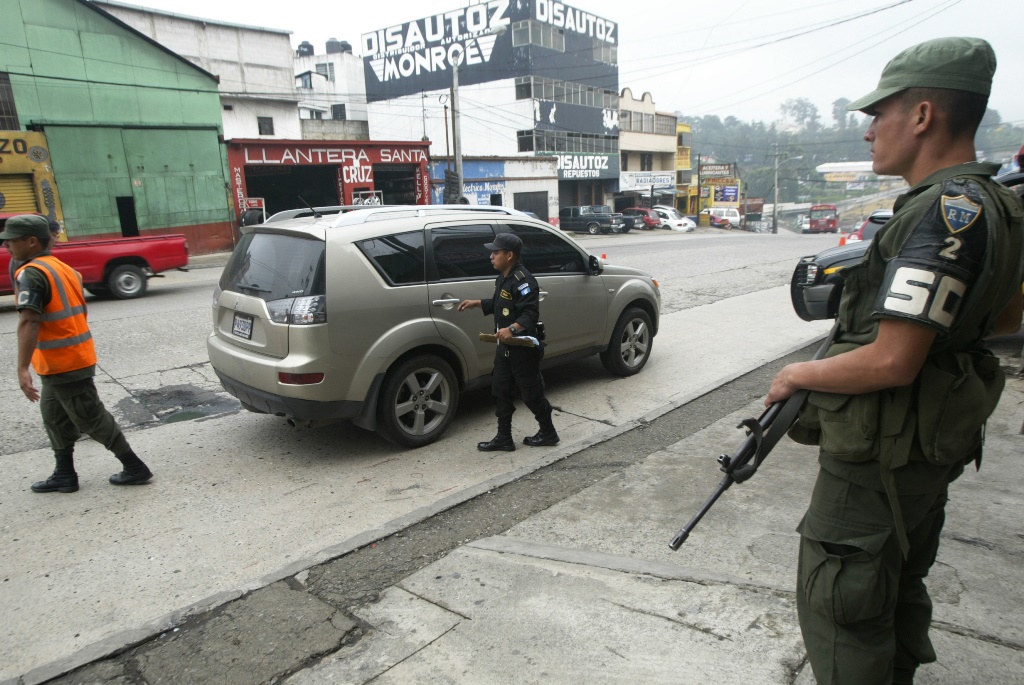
[740, 58]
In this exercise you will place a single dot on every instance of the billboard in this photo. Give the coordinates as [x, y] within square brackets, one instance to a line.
[581, 166]
[715, 170]
[417, 56]
[641, 181]
[565, 116]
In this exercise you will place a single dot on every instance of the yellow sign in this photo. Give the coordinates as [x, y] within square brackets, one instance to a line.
[27, 184]
[719, 181]
[840, 177]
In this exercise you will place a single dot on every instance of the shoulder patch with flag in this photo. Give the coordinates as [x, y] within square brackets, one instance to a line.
[524, 288]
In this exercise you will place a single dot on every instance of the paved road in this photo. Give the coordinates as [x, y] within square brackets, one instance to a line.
[241, 500]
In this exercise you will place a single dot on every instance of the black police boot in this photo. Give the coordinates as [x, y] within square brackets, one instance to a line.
[64, 478]
[135, 472]
[499, 443]
[545, 436]
[502, 442]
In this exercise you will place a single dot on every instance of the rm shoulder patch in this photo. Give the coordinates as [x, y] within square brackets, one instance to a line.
[959, 213]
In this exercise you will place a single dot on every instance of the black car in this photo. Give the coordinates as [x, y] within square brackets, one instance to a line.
[813, 286]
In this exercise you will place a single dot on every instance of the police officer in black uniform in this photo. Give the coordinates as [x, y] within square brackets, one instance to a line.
[516, 308]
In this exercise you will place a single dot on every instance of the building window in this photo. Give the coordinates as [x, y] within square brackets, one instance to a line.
[625, 120]
[338, 112]
[624, 161]
[603, 52]
[684, 140]
[646, 161]
[525, 141]
[555, 90]
[316, 114]
[684, 177]
[306, 81]
[265, 125]
[326, 69]
[536, 33]
[229, 108]
[8, 113]
[664, 125]
[524, 88]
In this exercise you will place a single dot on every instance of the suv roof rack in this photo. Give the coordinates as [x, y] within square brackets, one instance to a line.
[384, 212]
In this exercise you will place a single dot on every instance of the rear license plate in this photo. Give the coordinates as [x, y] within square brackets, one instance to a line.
[242, 327]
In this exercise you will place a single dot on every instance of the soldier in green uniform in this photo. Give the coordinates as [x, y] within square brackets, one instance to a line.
[55, 340]
[898, 404]
[516, 309]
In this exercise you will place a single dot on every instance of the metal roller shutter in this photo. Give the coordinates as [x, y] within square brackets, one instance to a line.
[17, 194]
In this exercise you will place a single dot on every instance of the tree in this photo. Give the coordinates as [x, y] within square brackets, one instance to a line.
[839, 112]
[803, 112]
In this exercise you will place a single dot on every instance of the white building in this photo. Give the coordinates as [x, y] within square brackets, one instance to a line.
[332, 93]
[256, 66]
[647, 153]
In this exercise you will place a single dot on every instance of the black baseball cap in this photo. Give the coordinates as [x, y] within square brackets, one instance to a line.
[506, 241]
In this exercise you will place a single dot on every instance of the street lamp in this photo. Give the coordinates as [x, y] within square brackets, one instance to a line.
[456, 110]
[775, 203]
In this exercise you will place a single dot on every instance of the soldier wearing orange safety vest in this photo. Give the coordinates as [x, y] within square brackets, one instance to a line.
[54, 337]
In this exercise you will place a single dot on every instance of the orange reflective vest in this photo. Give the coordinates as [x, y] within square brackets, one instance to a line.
[64, 343]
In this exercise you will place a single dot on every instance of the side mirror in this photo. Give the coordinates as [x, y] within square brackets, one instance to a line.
[595, 266]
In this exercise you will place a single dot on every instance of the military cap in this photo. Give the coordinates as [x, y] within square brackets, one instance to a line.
[953, 63]
[506, 241]
[26, 225]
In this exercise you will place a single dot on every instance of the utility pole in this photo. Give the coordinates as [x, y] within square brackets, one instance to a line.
[456, 130]
[423, 106]
[775, 186]
[778, 162]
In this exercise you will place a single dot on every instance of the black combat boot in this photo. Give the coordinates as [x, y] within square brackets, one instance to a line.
[64, 478]
[134, 473]
[545, 436]
[502, 442]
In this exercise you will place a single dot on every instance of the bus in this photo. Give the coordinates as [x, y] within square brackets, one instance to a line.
[824, 219]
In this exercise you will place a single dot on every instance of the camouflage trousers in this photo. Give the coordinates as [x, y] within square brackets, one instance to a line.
[71, 409]
[864, 610]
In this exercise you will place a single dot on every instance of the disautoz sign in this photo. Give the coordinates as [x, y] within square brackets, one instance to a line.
[587, 166]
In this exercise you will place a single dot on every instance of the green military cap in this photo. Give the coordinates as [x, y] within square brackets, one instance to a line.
[26, 225]
[953, 63]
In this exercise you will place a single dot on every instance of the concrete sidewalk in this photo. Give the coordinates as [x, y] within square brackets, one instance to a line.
[589, 592]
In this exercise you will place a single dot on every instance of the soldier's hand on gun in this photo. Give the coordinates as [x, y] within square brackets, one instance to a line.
[782, 387]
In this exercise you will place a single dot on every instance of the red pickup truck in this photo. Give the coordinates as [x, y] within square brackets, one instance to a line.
[118, 267]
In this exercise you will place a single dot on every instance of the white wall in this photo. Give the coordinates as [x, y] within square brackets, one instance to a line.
[248, 60]
[348, 87]
[490, 118]
[240, 121]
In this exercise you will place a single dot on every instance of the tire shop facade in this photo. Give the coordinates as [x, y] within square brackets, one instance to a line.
[283, 174]
[514, 97]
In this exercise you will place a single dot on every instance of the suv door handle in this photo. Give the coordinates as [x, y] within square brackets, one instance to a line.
[445, 303]
[543, 294]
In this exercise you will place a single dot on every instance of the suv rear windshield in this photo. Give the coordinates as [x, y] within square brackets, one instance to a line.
[275, 267]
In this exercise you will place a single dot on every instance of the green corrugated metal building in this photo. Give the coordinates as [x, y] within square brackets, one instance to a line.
[134, 131]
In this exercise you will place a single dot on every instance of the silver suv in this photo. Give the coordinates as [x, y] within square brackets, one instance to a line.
[353, 316]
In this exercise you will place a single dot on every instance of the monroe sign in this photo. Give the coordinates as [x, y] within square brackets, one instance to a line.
[418, 56]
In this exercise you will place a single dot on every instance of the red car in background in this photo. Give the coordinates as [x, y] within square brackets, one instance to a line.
[642, 217]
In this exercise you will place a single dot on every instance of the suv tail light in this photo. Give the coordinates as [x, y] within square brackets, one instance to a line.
[299, 310]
